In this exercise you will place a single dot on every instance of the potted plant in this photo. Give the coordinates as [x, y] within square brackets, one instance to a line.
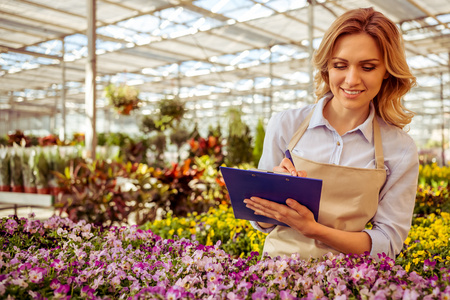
[27, 163]
[15, 165]
[41, 172]
[5, 179]
[123, 98]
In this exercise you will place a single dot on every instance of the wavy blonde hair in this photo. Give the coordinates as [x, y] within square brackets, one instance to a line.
[388, 101]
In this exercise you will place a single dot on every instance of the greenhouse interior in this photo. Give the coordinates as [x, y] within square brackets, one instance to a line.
[117, 118]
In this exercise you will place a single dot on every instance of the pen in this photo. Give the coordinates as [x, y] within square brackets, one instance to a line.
[288, 155]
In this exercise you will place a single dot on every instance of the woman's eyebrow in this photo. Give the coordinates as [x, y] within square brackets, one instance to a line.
[362, 61]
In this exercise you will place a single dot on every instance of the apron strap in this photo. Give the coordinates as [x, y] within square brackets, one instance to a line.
[300, 131]
[379, 157]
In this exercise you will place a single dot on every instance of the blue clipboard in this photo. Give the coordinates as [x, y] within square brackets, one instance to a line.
[277, 187]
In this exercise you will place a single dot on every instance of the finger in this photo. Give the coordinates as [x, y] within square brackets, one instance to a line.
[257, 203]
[286, 166]
[293, 204]
[264, 207]
[299, 208]
[302, 174]
[261, 210]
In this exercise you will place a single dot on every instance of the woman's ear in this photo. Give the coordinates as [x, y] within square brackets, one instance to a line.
[386, 75]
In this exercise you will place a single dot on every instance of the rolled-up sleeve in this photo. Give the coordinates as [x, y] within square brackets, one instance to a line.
[392, 221]
[257, 227]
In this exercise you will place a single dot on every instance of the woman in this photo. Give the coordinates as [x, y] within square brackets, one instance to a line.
[353, 139]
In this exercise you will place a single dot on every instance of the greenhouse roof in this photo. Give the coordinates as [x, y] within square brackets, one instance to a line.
[201, 50]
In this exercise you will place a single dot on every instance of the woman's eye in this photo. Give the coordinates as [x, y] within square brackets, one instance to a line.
[339, 67]
[368, 68]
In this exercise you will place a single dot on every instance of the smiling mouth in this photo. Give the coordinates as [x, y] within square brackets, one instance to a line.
[352, 92]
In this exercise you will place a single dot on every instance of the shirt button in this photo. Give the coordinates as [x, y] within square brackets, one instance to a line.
[338, 143]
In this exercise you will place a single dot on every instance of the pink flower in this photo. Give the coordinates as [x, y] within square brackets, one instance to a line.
[19, 282]
[58, 265]
[37, 274]
[410, 294]
[98, 282]
[285, 295]
[115, 281]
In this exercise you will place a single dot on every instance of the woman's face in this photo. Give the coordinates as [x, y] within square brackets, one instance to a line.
[356, 71]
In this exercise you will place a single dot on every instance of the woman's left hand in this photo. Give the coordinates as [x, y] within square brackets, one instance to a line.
[297, 216]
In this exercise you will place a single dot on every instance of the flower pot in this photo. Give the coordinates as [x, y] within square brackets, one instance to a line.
[17, 189]
[45, 191]
[5, 188]
[55, 191]
[30, 190]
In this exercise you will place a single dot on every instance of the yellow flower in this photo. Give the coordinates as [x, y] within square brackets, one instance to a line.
[408, 266]
[208, 241]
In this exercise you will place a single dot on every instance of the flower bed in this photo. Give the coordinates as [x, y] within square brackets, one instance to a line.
[237, 237]
[58, 258]
[426, 251]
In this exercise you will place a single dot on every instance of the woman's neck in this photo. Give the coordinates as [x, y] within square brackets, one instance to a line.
[342, 119]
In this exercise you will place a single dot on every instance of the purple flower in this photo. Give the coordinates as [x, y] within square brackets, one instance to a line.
[25, 266]
[62, 290]
[35, 295]
[54, 284]
[11, 226]
[174, 293]
[260, 293]
[86, 291]
[428, 265]
[58, 265]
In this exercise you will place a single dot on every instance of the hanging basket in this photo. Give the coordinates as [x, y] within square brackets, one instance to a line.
[125, 109]
[123, 98]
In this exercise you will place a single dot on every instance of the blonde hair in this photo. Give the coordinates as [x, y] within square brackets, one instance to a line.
[388, 101]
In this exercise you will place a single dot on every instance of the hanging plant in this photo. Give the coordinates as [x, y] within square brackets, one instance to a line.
[172, 108]
[123, 98]
[171, 111]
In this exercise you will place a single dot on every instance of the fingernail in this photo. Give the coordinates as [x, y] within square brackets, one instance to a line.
[245, 201]
[293, 173]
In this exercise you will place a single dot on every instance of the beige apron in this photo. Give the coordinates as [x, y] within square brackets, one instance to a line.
[349, 199]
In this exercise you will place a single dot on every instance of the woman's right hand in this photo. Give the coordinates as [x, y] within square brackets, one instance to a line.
[286, 166]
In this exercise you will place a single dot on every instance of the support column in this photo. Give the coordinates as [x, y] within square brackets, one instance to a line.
[90, 95]
[271, 82]
[310, 91]
[443, 121]
[62, 131]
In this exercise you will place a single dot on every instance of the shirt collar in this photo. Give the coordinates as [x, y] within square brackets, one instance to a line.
[317, 119]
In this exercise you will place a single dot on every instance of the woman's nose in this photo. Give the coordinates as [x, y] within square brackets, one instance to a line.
[352, 77]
